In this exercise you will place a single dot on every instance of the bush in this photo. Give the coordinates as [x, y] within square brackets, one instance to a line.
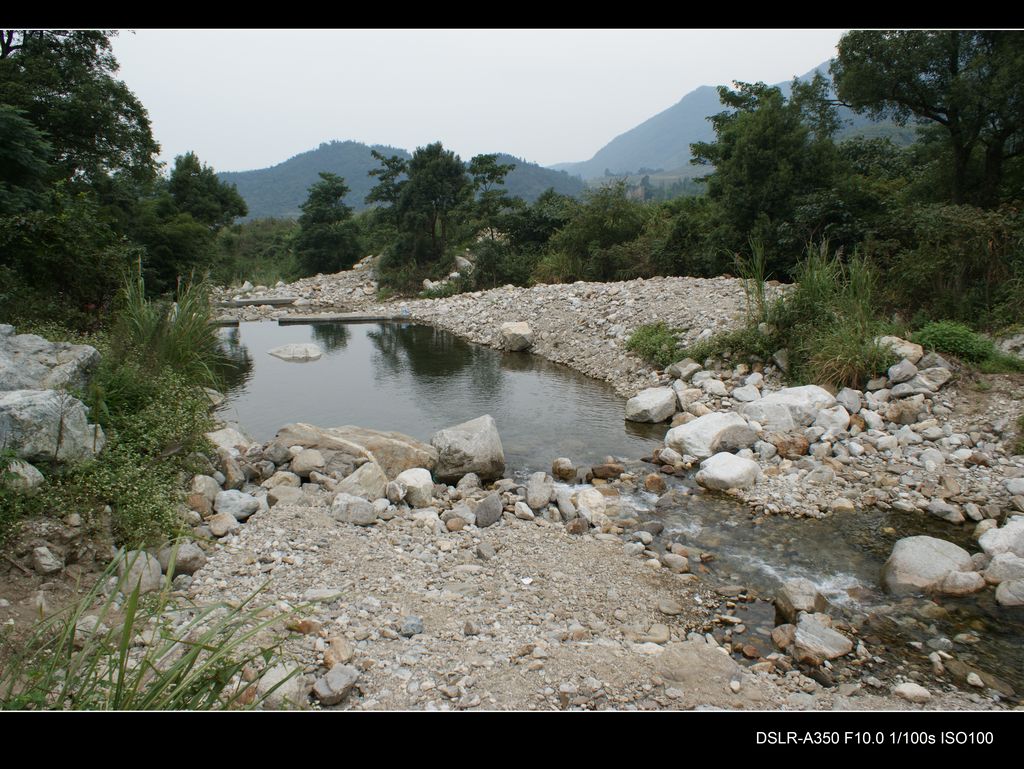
[194, 666]
[955, 339]
[655, 343]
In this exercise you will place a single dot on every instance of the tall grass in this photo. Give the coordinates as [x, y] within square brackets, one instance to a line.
[69, 662]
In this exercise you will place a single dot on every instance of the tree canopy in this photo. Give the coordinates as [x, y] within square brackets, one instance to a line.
[326, 240]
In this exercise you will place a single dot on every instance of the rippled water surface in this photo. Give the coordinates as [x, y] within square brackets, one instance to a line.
[417, 379]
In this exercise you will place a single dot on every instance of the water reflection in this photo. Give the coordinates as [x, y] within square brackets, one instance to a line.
[331, 336]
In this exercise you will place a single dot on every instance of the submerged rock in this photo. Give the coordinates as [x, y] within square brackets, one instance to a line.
[297, 353]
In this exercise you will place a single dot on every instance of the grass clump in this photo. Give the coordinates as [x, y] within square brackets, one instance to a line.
[954, 338]
[89, 656]
[655, 343]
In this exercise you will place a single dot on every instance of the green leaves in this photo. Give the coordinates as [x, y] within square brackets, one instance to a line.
[327, 240]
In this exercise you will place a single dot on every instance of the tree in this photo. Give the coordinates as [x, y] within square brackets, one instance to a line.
[24, 162]
[971, 83]
[196, 190]
[488, 175]
[326, 241]
[64, 83]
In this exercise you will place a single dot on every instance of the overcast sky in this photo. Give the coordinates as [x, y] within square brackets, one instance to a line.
[253, 98]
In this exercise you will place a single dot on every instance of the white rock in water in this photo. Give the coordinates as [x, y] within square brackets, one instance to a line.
[655, 404]
[711, 433]
[470, 447]
[922, 563]
[1010, 593]
[516, 336]
[727, 471]
[297, 352]
[419, 486]
[1005, 539]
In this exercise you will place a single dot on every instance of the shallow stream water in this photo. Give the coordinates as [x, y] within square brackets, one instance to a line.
[417, 379]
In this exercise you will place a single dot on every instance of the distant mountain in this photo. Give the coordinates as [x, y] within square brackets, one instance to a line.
[663, 141]
[278, 191]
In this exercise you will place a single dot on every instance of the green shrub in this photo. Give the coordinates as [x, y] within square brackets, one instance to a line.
[195, 665]
[655, 343]
[955, 339]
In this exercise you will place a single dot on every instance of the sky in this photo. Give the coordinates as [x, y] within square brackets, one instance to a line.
[246, 99]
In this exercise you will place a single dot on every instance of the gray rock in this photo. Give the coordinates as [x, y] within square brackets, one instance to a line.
[207, 486]
[48, 425]
[922, 563]
[236, 503]
[368, 481]
[850, 399]
[1010, 593]
[419, 486]
[715, 432]
[297, 352]
[188, 560]
[684, 369]
[945, 511]
[334, 687]
[903, 371]
[797, 595]
[284, 495]
[45, 562]
[470, 447]
[563, 498]
[292, 690]
[727, 471]
[802, 403]
[411, 625]
[23, 477]
[488, 510]
[931, 379]
[814, 642]
[348, 508]
[30, 362]
[538, 490]
[308, 461]
[137, 567]
[655, 404]
[933, 360]
[962, 583]
[516, 336]
[901, 347]
[746, 394]
[1006, 539]
[1004, 567]
[1015, 486]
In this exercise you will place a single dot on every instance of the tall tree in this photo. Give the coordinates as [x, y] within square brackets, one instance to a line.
[196, 190]
[969, 82]
[326, 241]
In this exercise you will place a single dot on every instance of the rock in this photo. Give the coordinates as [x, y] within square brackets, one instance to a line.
[284, 495]
[394, 452]
[676, 563]
[188, 559]
[715, 388]
[903, 371]
[922, 563]
[236, 503]
[348, 508]
[962, 583]
[945, 511]
[1004, 567]
[293, 693]
[901, 347]
[230, 439]
[701, 672]
[1010, 593]
[340, 651]
[368, 481]
[523, 512]
[419, 486]
[411, 625]
[842, 505]
[608, 470]
[308, 461]
[139, 568]
[850, 399]
[746, 394]
[282, 478]
[654, 483]
[684, 369]
[655, 404]
[912, 692]
[715, 432]
[797, 595]
[563, 469]
[538, 490]
[297, 352]
[931, 379]
[789, 445]
[1006, 539]
[30, 362]
[207, 486]
[48, 425]
[814, 642]
[336, 685]
[488, 510]
[45, 562]
[470, 447]
[223, 524]
[591, 504]
[727, 471]
[577, 526]
[834, 420]
[802, 404]
[22, 477]
[516, 336]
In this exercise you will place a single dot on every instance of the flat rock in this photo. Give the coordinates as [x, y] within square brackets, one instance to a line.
[297, 352]
[393, 451]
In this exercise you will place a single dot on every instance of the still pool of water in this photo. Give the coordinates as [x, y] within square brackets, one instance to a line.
[417, 380]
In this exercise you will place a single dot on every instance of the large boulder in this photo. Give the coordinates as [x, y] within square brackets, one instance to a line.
[470, 447]
[516, 336]
[29, 362]
[921, 563]
[802, 403]
[21, 476]
[48, 425]
[726, 471]
[231, 438]
[655, 404]
[711, 433]
[394, 452]
[901, 347]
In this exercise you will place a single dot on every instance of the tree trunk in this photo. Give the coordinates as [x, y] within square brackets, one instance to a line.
[993, 173]
[960, 157]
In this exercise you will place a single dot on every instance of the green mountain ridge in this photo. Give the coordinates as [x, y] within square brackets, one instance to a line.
[278, 191]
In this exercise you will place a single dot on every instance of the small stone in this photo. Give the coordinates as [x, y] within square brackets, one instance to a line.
[45, 562]
[410, 626]
[336, 685]
[670, 607]
[912, 692]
